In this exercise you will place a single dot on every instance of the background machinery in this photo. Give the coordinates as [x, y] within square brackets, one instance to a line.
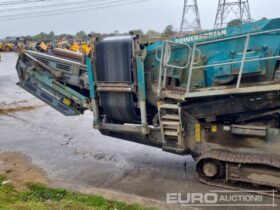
[80, 46]
[6, 47]
[214, 95]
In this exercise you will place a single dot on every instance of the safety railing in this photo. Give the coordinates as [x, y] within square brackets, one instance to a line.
[242, 62]
[166, 50]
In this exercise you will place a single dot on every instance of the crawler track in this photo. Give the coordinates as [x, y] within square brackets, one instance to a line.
[236, 169]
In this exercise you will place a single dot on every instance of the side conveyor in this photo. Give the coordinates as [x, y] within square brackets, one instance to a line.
[38, 79]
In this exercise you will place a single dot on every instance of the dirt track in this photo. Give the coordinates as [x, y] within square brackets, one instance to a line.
[11, 108]
[18, 169]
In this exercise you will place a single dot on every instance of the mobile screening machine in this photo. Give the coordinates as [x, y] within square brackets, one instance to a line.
[214, 95]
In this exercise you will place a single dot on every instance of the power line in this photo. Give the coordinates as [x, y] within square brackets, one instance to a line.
[9, 3]
[64, 10]
[52, 5]
[59, 12]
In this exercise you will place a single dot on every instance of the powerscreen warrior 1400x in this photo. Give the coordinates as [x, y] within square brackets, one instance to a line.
[214, 95]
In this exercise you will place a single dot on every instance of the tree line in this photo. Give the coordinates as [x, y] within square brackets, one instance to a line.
[82, 35]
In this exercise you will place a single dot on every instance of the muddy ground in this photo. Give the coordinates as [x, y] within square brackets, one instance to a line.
[48, 147]
[19, 170]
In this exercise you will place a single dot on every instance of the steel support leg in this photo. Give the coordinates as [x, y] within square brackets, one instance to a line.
[94, 103]
[142, 94]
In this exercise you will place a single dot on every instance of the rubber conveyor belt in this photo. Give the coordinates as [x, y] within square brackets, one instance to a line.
[114, 65]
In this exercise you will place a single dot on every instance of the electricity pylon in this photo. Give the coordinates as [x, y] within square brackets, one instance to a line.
[229, 10]
[190, 19]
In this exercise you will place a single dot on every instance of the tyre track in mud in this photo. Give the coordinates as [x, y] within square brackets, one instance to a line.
[6, 110]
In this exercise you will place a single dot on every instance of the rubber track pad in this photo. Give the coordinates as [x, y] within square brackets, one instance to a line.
[114, 65]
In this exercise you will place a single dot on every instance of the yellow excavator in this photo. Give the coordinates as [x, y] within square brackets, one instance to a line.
[6, 47]
[79, 46]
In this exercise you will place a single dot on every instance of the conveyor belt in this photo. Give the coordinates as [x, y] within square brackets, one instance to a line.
[114, 65]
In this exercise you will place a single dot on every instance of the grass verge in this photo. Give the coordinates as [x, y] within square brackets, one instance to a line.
[40, 197]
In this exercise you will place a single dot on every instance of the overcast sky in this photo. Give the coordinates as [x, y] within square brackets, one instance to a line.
[153, 14]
